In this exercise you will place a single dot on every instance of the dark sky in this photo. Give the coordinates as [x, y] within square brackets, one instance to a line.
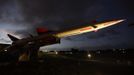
[21, 17]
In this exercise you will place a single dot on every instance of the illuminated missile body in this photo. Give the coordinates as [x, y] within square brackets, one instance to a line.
[88, 28]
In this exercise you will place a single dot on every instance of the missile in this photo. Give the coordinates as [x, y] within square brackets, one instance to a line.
[32, 44]
[88, 28]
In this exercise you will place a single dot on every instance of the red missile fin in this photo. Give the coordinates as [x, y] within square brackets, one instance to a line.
[41, 30]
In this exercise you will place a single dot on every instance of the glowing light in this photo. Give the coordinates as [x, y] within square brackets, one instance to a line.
[89, 55]
[5, 50]
[56, 52]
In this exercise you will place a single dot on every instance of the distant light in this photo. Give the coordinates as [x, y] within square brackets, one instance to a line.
[56, 52]
[5, 50]
[89, 55]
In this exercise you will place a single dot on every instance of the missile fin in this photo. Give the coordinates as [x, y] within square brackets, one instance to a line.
[13, 38]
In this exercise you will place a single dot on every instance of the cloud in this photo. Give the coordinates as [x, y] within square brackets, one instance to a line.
[21, 17]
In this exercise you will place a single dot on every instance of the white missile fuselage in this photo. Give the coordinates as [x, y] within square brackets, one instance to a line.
[88, 28]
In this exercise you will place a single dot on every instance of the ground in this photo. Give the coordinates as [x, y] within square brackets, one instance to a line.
[60, 65]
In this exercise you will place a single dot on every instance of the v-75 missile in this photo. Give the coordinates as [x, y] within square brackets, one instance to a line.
[29, 46]
[88, 28]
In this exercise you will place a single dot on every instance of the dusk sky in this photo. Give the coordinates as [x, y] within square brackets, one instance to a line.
[22, 17]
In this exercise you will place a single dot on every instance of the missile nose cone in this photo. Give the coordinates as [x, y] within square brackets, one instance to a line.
[118, 21]
[113, 22]
[121, 20]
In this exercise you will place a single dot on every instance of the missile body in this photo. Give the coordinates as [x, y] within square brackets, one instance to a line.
[88, 28]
